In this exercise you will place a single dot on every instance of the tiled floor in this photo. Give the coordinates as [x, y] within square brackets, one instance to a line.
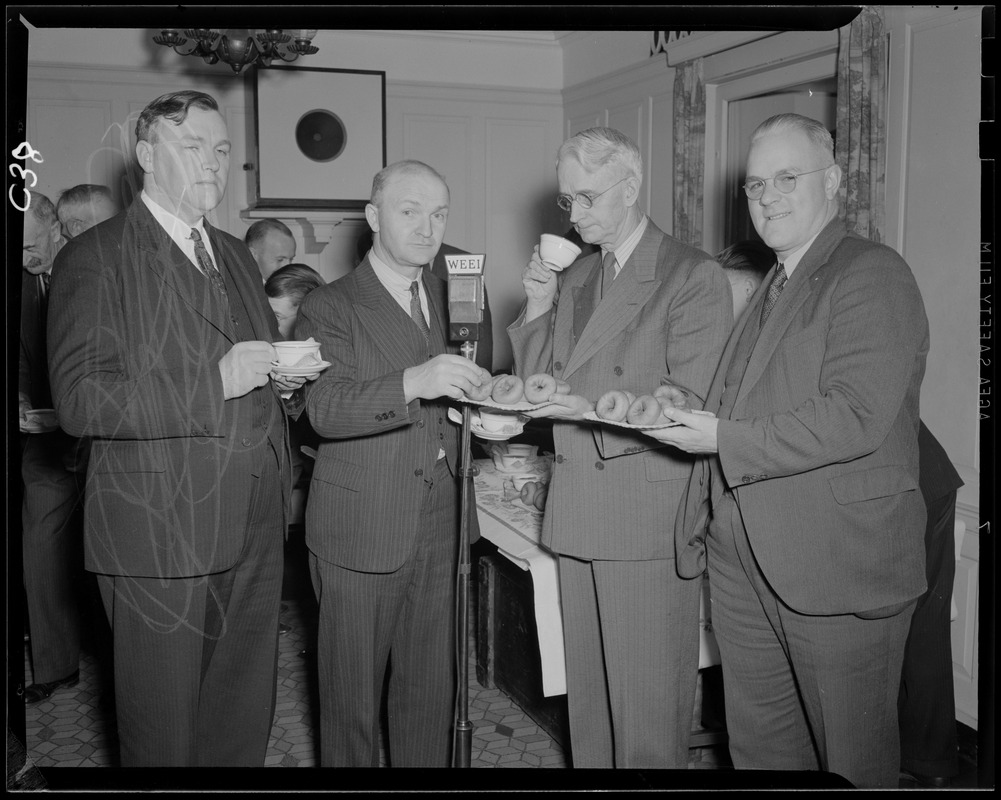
[76, 728]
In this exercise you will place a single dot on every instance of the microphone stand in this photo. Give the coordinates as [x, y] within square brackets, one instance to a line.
[463, 727]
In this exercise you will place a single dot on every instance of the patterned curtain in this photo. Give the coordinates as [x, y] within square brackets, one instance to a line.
[689, 151]
[860, 146]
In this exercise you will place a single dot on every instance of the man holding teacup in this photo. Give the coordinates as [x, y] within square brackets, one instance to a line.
[382, 522]
[645, 306]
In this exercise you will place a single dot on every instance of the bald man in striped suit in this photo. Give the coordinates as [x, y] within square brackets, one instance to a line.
[382, 521]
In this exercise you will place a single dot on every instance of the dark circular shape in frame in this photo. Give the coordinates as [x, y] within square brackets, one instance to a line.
[320, 135]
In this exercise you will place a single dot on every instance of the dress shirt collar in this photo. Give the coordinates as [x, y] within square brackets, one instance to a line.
[397, 285]
[178, 229]
[625, 250]
[792, 261]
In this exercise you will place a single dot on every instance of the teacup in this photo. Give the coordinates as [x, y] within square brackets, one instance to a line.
[495, 423]
[290, 353]
[512, 463]
[556, 252]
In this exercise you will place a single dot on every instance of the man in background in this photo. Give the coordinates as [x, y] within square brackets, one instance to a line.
[382, 522]
[272, 245]
[52, 466]
[83, 206]
[746, 263]
[160, 351]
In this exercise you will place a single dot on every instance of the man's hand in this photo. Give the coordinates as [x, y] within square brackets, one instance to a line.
[564, 406]
[540, 287]
[245, 367]
[289, 383]
[443, 376]
[696, 434]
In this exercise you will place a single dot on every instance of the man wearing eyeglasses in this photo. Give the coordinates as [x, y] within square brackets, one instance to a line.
[808, 510]
[644, 307]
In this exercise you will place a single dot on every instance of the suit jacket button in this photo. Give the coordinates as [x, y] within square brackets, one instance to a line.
[598, 465]
[617, 370]
[557, 365]
[245, 442]
[746, 479]
[559, 459]
[418, 472]
[420, 423]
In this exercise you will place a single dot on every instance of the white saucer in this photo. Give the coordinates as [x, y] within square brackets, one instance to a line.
[477, 429]
[299, 372]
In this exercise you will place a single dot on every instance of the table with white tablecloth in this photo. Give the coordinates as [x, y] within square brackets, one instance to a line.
[515, 528]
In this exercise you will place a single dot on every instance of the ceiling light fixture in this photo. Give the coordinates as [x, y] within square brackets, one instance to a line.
[239, 47]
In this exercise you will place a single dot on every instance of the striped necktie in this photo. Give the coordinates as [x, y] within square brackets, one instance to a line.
[774, 290]
[417, 313]
[607, 272]
[205, 263]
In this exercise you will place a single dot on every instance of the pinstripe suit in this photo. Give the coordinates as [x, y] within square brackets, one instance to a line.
[814, 546]
[381, 525]
[50, 516]
[184, 501]
[631, 625]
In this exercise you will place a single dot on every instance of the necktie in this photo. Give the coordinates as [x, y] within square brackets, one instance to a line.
[417, 313]
[44, 284]
[205, 263]
[607, 272]
[774, 290]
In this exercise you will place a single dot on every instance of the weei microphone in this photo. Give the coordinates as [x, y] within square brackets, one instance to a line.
[465, 296]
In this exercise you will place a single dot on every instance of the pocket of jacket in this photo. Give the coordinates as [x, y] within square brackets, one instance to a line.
[126, 456]
[870, 484]
[339, 472]
[659, 469]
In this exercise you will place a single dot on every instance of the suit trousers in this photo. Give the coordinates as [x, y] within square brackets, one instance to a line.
[631, 632]
[802, 692]
[927, 704]
[402, 621]
[196, 658]
[52, 542]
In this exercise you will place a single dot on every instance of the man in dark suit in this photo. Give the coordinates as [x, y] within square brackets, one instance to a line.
[630, 622]
[814, 543]
[159, 345]
[51, 465]
[927, 704]
[382, 518]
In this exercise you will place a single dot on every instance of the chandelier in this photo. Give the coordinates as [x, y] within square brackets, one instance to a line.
[239, 47]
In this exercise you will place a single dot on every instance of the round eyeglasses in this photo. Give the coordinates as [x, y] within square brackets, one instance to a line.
[785, 182]
[566, 202]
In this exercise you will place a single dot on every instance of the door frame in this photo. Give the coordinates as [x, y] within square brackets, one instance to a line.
[725, 89]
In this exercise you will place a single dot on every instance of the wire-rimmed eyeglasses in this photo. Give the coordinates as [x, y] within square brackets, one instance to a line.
[566, 202]
[785, 182]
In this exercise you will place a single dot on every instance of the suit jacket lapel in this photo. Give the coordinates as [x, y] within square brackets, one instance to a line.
[173, 269]
[437, 292]
[388, 326]
[244, 283]
[634, 286]
[795, 294]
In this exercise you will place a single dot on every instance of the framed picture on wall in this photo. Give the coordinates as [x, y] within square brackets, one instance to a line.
[321, 136]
